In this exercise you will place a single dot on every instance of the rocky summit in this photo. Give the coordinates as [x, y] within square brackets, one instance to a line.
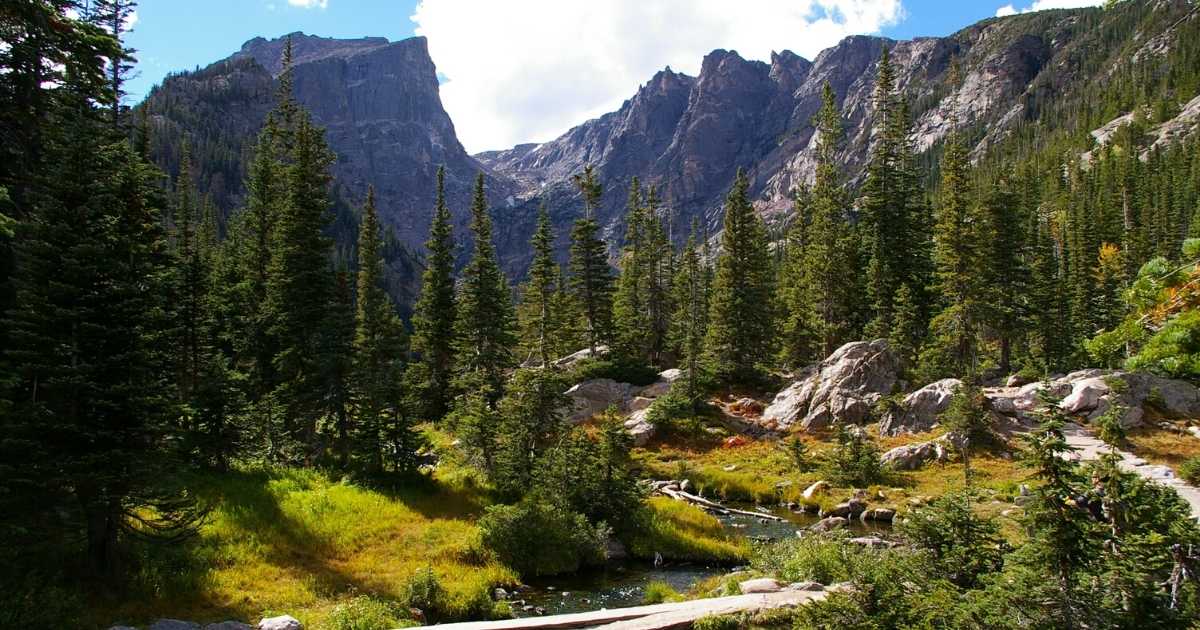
[687, 136]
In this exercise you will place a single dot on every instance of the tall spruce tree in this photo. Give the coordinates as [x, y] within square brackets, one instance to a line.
[827, 270]
[435, 314]
[485, 324]
[300, 291]
[539, 315]
[690, 321]
[630, 302]
[382, 425]
[952, 349]
[591, 279]
[1005, 271]
[740, 330]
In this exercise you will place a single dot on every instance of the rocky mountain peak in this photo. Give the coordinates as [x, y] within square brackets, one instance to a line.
[307, 48]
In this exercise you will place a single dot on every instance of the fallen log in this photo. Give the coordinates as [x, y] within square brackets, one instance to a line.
[680, 495]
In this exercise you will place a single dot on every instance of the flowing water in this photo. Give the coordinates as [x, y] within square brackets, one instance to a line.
[623, 584]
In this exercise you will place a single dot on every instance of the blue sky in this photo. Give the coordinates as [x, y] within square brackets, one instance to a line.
[573, 59]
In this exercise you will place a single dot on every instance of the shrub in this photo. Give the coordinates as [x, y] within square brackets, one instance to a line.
[537, 537]
[716, 622]
[658, 592]
[618, 369]
[963, 545]
[797, 451]
[1190, 470]
[1109, 426]
[854, 461]
[366, 613]
[424, 591]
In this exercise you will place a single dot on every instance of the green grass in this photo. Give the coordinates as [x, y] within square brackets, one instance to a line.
[680, 531]
[310, 545]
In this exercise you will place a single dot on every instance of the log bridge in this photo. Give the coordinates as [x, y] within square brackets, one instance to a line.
[655, 617]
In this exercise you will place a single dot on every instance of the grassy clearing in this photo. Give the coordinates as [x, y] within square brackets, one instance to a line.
[303, 543]
[684, 532]
[1162, 446]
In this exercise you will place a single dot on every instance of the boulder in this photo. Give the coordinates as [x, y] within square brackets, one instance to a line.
[1091, 393]
[571, 360]
[174, 624]
[615, 550]
[914, 456]
[666, 378]
[282, 622]
[639, 427]
[817, 487]
[882, 515]
[848, 510]
[828, 524]
[594, 396]
[760, 585]
[920, 410]
[806, 586]
[1016, 380]
[841, 389]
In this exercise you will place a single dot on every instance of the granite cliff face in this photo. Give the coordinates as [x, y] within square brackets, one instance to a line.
[685, 135]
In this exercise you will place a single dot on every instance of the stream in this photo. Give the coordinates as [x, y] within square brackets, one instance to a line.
[623, 584]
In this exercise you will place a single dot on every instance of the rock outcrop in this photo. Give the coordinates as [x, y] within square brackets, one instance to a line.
[1091, 393]
[919, 411]
[914, 456]
[842, 389]
[594, 396]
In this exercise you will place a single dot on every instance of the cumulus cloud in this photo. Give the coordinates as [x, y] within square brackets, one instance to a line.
[1040, 5]
[309, 4]
[527, 70]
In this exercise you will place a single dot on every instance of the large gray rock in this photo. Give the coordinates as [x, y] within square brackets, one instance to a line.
[914, 456]
[173, 624]
[920, 410]
[594, 396]
[1091, 393]
[760, 585]
[573, 359]
[841, 389]
[282, 622]
[828, 523]
[639, 427]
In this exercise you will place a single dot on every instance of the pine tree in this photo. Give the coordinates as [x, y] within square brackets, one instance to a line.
[740, 330]
[1005, 272]
[591, 280]
[435, 313]
[630, 302]
[381, 422]
[90, 405]
[883, 205]
[690, 321]
[530, 421]
[540, 320]
[952, 349]
[485, 316]
[300, 291]
[827, 268]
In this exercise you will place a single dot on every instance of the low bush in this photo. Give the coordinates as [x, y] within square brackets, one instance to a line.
[680, 531]
[854, 461]
[537, 537]
[367, 613]
[618, 369]
[658, 592]
[423, 590]
[717, 622]
[1190, 470]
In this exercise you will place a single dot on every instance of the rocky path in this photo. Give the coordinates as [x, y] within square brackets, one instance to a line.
[655, 617]
[1090, 447]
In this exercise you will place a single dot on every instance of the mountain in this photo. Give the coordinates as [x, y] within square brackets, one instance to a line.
[1062, 73]
[688, 136]
[378, 102]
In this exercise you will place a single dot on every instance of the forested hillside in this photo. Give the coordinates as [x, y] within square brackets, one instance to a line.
[214, 399]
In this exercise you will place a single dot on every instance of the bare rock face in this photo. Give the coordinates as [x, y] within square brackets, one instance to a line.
[1091, 393]
[592, 397]
[914, 456]
[842, 389]
[920, 410]
[282, 622]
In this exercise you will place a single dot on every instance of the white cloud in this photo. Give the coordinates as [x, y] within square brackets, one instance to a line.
[309, 4]
[1041, 5]
[527, 70]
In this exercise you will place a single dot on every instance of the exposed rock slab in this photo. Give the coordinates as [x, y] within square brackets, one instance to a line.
[1090, 393]
[919, 410]
[842, 389]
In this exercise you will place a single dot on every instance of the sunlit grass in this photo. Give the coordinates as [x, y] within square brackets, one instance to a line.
[301, 542]
[1162, 446]
[681, 531]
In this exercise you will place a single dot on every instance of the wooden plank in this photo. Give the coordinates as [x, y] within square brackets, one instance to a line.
[670, 614]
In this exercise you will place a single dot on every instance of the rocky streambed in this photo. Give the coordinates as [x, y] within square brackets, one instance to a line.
[623, 583]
